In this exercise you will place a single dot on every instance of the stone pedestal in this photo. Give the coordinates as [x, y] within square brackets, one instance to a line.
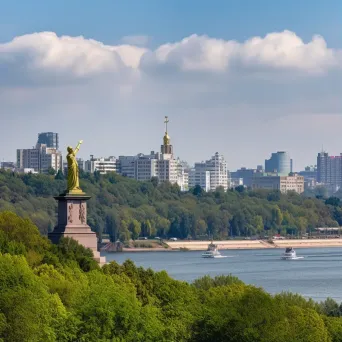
[72, 222]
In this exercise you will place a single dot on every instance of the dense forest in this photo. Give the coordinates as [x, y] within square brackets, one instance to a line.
[125, 208]
[59, 293]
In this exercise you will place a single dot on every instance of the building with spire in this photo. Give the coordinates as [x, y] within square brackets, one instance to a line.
[162, 165]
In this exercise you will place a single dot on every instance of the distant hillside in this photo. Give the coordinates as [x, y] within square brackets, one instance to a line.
[125, 208]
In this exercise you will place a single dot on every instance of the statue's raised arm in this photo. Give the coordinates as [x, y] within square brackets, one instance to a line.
[73, 172]
[78, 146]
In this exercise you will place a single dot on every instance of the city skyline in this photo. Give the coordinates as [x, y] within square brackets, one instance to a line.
[243, 83]
[285, 166]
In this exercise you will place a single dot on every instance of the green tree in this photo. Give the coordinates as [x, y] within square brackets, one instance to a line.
[258, 224]
[135, 229]
[59, 175]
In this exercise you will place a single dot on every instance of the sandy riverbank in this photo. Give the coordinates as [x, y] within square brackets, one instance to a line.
[256, 244]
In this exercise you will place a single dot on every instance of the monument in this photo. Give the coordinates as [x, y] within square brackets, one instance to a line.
[72, 210]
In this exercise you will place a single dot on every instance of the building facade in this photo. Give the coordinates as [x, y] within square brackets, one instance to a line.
[246, 175]
[218, 173]
[280, 163]
[281, 183]
[101, 165]
[41, 159]
[310, 177]
[329, 170]
[50, 139]
[199, 177]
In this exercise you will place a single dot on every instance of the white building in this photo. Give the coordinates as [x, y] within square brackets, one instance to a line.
[199, 177]
[102, 165]
[218, 173]
[40, 159]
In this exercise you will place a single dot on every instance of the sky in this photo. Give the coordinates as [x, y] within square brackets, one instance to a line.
[244, 78]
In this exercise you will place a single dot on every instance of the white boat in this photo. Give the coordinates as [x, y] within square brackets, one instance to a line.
[290, 254]
[212, 252]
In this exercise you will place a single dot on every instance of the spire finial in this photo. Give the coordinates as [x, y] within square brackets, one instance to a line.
[166, 122]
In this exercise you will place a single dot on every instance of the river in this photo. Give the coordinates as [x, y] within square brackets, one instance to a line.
[318, 275]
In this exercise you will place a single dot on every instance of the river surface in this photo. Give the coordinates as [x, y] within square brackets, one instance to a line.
[318, 275]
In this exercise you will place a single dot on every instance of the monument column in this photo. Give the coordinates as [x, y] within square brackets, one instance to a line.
[72, 211]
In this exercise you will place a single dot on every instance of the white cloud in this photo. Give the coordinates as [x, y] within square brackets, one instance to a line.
[216, 92]
[284, 50]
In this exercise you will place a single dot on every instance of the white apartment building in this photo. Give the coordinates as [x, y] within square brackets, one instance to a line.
[282, 183]
[40, 159]
[199, 177]
[217, 168]
[102, 165]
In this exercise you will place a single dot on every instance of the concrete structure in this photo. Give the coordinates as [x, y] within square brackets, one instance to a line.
[310, 177]
[10, 166]
[72, 222]
[41, 159]
[102, 165]
[126, 165]
[217, 168]
[199, 177]
[247, 175]
[235, 182]
[282, 183]
[50, 139]
[280, 163]
[81, 164]
[329, 170]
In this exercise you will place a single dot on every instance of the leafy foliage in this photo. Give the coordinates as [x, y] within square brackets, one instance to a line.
[124, 208]
[55, 293]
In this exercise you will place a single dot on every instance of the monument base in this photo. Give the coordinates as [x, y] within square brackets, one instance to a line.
[72, 222]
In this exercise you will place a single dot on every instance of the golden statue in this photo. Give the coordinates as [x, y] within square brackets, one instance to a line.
[73, 172]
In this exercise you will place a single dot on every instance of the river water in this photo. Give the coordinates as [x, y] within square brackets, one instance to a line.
[318, 275]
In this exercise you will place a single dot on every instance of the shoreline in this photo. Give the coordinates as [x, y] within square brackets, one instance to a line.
[179, 246]
[258, 244]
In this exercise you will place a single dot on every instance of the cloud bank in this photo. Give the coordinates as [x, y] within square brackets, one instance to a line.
[211, 88]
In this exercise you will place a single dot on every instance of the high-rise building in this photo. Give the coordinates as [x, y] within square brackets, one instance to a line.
[280, 163]
[329, 170]
[41, 159]
[49, 139]
[217, 168]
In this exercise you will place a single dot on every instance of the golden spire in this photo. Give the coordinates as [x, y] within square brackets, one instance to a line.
[166, 136]
[166, 122]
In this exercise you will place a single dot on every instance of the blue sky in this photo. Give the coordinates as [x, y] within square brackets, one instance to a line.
[222, 94]
[109, 20]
